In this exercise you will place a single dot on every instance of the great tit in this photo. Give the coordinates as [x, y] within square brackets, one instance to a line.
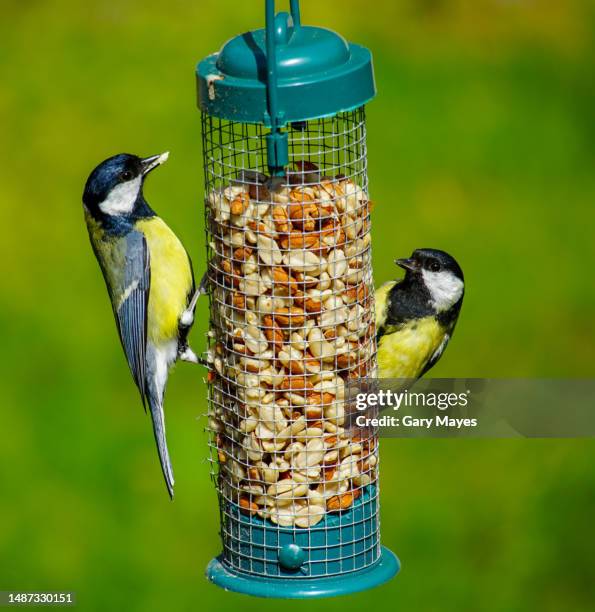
[149, 279]
[416, 317]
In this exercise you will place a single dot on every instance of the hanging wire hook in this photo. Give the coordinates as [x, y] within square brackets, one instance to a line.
[277, 141]
[294, 8]
[271, 63]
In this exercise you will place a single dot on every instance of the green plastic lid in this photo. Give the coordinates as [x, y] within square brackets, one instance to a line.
[285, 73]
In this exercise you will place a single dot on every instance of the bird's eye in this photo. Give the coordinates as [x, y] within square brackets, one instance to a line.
[434, 266]
[126, 175]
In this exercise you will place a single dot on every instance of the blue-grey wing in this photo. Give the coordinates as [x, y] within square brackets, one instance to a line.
[131, 307]
[433, 360]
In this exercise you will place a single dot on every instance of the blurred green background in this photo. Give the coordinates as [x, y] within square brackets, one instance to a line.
[480, 142]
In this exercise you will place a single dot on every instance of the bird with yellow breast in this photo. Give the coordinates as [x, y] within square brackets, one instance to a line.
[149, 279]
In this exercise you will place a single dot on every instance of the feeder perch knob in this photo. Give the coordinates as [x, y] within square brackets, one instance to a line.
[291, 556]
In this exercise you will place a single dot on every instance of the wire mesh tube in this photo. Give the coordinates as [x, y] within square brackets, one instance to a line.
[292, 322]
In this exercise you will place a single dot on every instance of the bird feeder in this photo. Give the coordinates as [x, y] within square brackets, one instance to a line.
[291, 310]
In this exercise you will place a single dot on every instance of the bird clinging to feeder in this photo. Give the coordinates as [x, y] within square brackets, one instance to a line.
[416, 317]
[149, 278]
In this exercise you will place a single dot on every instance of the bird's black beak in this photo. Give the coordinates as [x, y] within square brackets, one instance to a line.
[408, 264]
[150, 163]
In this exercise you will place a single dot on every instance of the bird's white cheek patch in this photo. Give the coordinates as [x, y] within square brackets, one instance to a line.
[444, 287]
[121, 198]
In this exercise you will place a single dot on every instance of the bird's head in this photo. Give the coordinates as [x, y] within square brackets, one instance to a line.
[114, 188]
[439, 272]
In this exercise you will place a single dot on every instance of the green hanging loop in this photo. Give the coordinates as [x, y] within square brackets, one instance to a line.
[295, 13]
[277, 141]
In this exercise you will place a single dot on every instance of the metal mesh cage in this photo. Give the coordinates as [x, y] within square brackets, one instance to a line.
[291, 324]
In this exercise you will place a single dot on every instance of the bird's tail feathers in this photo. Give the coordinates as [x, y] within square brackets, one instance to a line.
[156, 406]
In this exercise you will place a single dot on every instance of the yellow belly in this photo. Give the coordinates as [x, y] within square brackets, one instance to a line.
[171, 280]
[404, 353]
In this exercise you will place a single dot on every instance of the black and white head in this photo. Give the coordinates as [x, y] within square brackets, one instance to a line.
[114, 188]
[440, 274]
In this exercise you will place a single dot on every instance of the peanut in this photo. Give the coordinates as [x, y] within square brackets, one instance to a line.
[247, 506]
[339, 502]
[293, 317]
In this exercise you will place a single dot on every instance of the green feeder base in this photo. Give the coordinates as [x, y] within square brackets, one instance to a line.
[301, 588]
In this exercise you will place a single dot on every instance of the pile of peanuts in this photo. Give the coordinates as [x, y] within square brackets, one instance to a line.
[291, 324]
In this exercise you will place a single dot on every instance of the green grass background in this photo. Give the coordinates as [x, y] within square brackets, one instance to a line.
[480, 142]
